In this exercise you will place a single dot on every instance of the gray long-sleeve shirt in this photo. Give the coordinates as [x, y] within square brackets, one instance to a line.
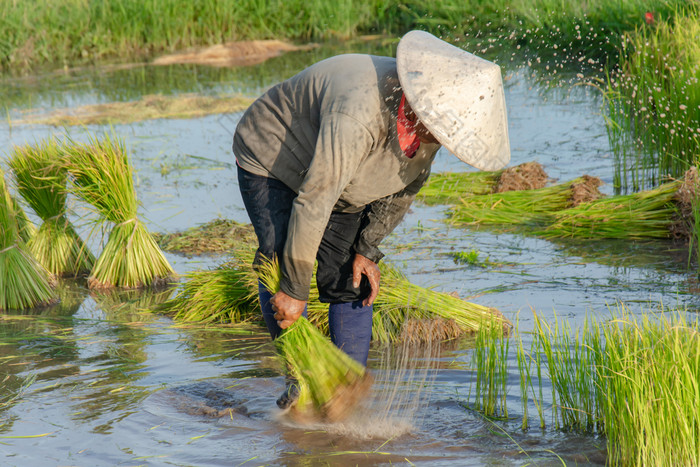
[329, 133]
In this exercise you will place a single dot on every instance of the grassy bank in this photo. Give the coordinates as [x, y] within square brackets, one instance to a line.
[62, 32]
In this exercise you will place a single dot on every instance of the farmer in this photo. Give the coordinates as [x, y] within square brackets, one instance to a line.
[330, 160]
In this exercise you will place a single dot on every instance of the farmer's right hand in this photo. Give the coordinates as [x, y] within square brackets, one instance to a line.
[287, 309]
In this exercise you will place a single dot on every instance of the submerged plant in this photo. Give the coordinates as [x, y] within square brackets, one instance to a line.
[24, 283]
[330, 381]
[102, 177]
[41, 179]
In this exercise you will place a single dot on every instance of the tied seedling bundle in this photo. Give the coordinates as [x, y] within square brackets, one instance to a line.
[407, 312]
[647, 214]
[446, 188]
[102, 177]
[24, 283]
[330, 382]
[525, 207]
[41, 179]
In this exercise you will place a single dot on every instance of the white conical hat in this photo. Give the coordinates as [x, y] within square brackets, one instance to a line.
[457, 96]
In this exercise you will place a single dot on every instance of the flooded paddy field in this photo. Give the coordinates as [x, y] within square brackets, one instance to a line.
[96, 380]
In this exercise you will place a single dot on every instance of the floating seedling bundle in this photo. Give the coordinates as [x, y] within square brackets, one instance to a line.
[647, 214]
[330, 381]
[102, 177]
[444, 188]
[24, 283]
[41, 179]
[525, 207]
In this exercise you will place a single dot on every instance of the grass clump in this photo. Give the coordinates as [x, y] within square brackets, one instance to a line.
[24, 282]
[41, 179]
[217, 236]
[102, 177]
[330, 381]
[654, 100]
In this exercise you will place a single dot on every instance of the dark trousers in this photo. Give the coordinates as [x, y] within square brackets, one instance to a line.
[269, 205]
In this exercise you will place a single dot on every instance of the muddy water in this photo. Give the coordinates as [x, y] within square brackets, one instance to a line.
[99, 382]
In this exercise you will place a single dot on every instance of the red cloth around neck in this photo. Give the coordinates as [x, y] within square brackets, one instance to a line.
[406, 129]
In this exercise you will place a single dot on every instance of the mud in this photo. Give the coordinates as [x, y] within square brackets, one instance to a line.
[526, 176]
[208, 400]
[230, 54]
[586, 191]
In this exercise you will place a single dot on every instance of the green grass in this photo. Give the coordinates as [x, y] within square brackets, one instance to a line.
[654, 101]
[630, 378]
[69, 31]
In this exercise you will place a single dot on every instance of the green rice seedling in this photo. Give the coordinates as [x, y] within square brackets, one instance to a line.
[449, 188]
[225, 295]
[529, 207]
[24, 283]
[650, 379]
[41, 179]
[330, 381]
[25, 228]
[102, 177]
[491, 365]
[647, 214]
[400, 301]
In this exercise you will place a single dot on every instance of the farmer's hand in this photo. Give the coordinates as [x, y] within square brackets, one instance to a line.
[365, 266]
[287, 309]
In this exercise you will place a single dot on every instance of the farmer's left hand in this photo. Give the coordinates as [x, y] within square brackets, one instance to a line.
[365, 266]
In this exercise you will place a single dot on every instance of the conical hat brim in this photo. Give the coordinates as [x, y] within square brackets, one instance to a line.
[457, 96]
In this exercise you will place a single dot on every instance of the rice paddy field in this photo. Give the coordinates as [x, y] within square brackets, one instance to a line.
[100, 378]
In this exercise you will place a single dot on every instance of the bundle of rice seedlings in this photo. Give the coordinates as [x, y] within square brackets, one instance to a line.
[41, 179]
[225, 295]
[24, 283]
[525, 207]
[405, 311]
[447, 188]
[102, 177]
[25, 228]
[331, 382]
[647, 214]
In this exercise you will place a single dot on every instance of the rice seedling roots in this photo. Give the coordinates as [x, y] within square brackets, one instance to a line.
[527, 176]
[339, 407]
[586, 190]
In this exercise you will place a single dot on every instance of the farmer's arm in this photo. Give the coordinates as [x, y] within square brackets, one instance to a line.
[341, 145]
[382, 218]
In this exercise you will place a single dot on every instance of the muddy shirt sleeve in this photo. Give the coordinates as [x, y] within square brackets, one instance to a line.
[341, 145]
[382, 217]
